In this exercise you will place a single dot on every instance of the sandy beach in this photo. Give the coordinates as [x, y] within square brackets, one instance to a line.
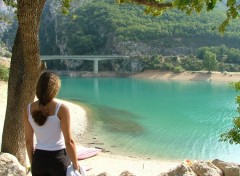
[114, 165]
[189, 76]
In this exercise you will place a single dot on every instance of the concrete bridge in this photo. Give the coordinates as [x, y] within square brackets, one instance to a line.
[94, 58]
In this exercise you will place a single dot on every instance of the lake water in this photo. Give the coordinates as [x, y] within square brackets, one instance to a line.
[161, 119]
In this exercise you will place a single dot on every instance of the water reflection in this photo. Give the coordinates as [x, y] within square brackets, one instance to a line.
[118, 121]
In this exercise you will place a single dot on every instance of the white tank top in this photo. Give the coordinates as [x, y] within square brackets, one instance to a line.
[49, 136]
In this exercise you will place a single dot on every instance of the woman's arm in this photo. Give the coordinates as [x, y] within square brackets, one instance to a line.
[64, 116]
[28, 136]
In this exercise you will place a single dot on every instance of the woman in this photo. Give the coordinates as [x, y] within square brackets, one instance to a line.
[49, 120]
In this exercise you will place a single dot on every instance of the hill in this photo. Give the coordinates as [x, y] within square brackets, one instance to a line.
[104, 27]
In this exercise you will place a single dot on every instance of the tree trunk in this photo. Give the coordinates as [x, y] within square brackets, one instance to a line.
[24, 71]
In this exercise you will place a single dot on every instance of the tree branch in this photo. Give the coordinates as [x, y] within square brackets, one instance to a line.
[154, 4]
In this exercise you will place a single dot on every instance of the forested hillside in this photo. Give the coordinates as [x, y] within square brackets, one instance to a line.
[105, 27]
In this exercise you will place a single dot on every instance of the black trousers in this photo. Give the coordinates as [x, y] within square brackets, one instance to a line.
[50, 163]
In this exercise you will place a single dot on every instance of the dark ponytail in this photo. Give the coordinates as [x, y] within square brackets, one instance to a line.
[47, 88]
[40, 117]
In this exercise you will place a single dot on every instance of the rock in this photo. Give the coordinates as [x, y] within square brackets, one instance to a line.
[201, 168]
[103, 174]
[9, 166]
[181, 170]
[229, 169]
[126, 173]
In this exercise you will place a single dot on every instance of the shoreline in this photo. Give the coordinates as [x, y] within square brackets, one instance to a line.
[213, 76]
[114, 164]
[189, 76]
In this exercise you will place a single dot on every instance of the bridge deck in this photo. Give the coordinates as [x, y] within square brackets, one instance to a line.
[83, 57]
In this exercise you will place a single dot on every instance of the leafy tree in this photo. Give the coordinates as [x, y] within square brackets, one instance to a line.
[210, 62]
[25, 55]
[201, 51]
[157, 7]
[24, 71]
[233, 135]
[192, 64]
[233, 56]
[224, 54]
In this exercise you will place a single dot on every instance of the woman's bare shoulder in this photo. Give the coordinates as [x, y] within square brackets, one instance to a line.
[63, 108]
[34, 105]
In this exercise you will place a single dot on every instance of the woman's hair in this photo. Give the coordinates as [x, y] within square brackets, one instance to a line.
[47, 88]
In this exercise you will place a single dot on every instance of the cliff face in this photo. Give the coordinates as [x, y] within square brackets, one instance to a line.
[167, 46]
[93, 29]
[133, 48]
[2, 5]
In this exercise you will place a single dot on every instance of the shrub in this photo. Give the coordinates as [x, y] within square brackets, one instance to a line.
[192, 64]
[166, 66]
[7, 54]
[178, 69]
[4, 73]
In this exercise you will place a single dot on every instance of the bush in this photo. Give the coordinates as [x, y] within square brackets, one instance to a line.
[7, 54]
[178, 69]
[192, 64]
[4, 73]
[166, 66]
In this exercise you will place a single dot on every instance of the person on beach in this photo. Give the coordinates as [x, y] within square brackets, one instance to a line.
[49, 120]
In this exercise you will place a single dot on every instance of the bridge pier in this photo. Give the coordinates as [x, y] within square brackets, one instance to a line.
[94, 58]
[95, 66]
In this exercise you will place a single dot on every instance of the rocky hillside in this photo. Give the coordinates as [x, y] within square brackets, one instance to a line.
[104, 27]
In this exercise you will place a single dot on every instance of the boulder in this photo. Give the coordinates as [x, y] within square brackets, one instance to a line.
[181, 170]
[201, 168]
[9, 166]
[103, 174]
[229, 169]
[126, 173]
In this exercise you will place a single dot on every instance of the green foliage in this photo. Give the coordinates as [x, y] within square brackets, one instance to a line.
[7, 54]
[4, 73]
[201, 51]
[233, 135]
[223, 53]
[228, 67]
[98, 24]
[151, 62]
[232, 7]
[192, 63]
[178, 69]
[66, 6]
[167, 66]
[11, 3]
[210, 62]
[4, 51]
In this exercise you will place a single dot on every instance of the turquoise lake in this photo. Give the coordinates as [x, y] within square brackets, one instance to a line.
[172, 120]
